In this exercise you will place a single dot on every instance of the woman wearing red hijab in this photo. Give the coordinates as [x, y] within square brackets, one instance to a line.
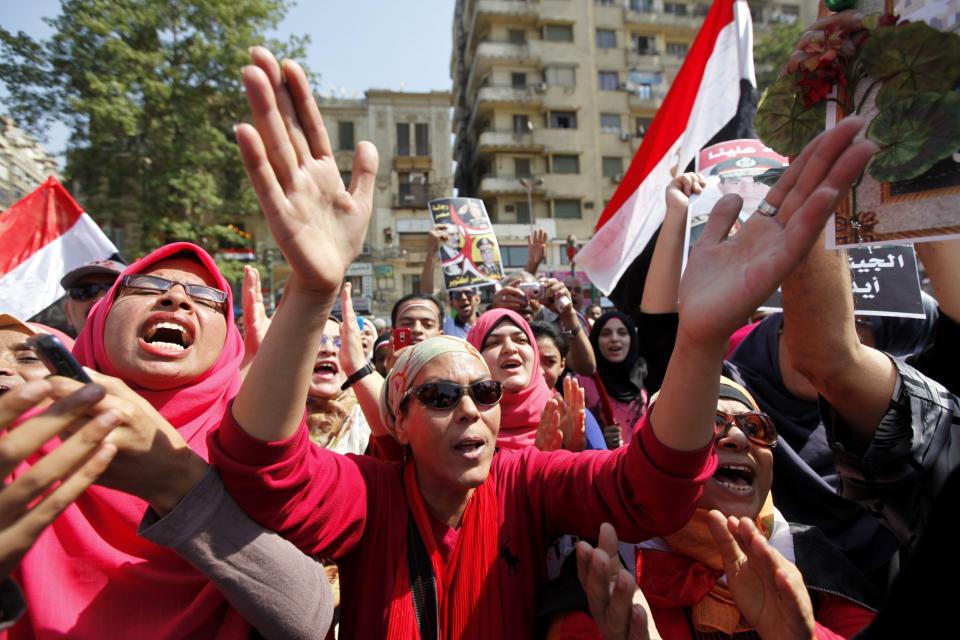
[529, 414]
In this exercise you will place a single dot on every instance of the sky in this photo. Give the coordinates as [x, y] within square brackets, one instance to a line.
[355, 45]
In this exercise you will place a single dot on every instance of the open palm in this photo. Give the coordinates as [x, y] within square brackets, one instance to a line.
[727, 278]
[318, 224]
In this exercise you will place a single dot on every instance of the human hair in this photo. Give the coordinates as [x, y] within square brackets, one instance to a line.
[546, 330]
[415, 296]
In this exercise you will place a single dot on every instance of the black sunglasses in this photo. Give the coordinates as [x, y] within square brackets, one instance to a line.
[87, 291]
[757, 426]
[445, 395]
[201, 293]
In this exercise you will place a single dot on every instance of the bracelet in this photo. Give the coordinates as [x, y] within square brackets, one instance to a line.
[357, 375]
[569, 333]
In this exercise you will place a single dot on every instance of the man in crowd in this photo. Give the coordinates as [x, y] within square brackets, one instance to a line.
[84, 286]
[465, 303]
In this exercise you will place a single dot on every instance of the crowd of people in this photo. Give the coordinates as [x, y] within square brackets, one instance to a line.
[531, 467]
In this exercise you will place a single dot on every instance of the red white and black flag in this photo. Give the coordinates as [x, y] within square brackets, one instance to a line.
[42, 237]
[712, 98]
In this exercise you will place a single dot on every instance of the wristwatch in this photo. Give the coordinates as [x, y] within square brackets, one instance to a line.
[359, 374]
[569, 333]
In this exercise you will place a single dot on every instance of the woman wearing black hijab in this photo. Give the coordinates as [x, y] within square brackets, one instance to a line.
[615, 392]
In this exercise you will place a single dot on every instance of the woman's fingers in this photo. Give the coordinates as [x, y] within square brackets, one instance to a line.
[721, 219]
[261, 174]
[16, 445]
[363, 179]
[55, 466]
[269, 123]
[730, 552]
[308, 115]
[19, 399]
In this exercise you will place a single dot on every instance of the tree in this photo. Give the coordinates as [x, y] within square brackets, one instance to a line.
[771, 51]
[150, 90]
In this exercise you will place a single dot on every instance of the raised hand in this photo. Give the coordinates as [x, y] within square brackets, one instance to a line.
[573, 417]
[536, 249]
[548, 436]
[681, 188]
[727, 278]
[34, 500]
[352, 356]
[615, 602]
[255, 320]
[317, 223]
[768, 589]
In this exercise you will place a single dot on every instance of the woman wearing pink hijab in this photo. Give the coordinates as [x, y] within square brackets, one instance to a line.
[530, 415]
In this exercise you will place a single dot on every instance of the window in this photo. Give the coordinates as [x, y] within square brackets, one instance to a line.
[645, 91]
[608, 80]
[518, 80]
[644, 45]
[642, 5]
[523, 213]
[612, 167]
[521, 167]
[411, 282]
[521, 123]
[676, 8]
[558, 32]
[422, 135]
[642, 124]
[677, 49]
[566, 164]
[756, 13]
[606, 39]
[345, 135]
[604, 3]
[610, 122]
[566, 208]
[403, 139]
[560, 76]
[516, 36]
[513, 256]
[563, 120]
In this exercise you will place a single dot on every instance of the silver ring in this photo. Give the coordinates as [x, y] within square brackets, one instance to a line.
[767, 209]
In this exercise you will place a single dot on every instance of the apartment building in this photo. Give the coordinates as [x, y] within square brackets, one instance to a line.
[412, 133]
[553, 97]
[24, 163]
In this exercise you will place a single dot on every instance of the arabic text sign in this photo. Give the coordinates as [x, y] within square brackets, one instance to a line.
[471, 255]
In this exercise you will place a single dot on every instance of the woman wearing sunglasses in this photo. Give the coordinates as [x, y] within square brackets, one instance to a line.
[682, 574]
[529, 413]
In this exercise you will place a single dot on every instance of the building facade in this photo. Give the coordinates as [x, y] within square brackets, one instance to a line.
[552, 98]
[412, 134]
[24, 163]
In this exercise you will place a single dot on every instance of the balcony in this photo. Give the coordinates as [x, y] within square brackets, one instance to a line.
[650, 100]
[520, 9]
[508, 141]
[493, 184]
[557, 139]
[663, 20]
[501, 51]
[650, 60]
[509, 95]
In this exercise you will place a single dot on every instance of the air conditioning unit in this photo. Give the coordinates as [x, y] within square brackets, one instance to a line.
[539, 87]
[617, 178]
[625, 137]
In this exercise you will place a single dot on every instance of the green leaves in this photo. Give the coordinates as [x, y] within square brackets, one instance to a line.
[911, 58]
[915, 133]
[783, 123]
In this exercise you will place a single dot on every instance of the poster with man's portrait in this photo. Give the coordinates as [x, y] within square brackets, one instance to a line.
[471, 255]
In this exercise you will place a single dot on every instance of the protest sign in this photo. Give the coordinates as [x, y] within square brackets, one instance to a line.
[471, 255]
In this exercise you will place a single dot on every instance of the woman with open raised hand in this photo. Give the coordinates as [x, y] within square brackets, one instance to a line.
[458, 515]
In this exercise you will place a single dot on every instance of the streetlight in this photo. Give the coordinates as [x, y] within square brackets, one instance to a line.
[530, 183]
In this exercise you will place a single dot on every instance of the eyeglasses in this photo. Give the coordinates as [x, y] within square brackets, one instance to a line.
[757, 426]
[87, 291]
[334, 340]
[203, 294]
[444, 395]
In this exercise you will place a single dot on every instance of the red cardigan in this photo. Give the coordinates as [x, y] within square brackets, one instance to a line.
[353, 509]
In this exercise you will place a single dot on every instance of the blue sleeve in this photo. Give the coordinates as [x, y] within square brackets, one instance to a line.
[594, 434]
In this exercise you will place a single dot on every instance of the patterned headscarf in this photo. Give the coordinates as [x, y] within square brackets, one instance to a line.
[409, 363]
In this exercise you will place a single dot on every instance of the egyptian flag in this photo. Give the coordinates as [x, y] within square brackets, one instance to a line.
[710, 99]
[42, 237]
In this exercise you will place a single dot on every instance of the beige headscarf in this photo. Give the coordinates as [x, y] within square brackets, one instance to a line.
[409, 363]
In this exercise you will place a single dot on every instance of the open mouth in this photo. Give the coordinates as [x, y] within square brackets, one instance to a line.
[470, 447]
[735, 477]
[168, 336]
[511, 365]
[325, 369]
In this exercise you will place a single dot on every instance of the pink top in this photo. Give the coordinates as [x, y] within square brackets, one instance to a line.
[353, 509]
[625, 413]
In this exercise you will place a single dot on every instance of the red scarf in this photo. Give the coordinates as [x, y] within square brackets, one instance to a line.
[520, 412]
[468, 588]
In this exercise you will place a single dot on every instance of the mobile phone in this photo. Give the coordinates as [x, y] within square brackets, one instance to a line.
[402, 337]
[533, 290]
[57, 357]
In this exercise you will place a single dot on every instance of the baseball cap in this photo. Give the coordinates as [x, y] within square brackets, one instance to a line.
[95, 267]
